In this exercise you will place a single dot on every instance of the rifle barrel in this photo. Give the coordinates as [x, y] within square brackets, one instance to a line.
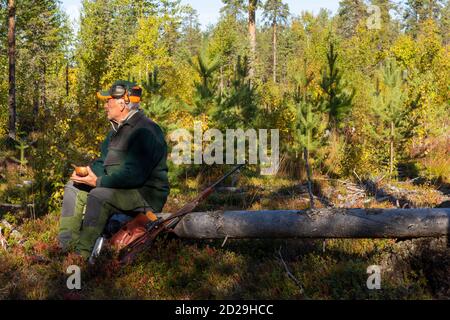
[203, 195]
[227, 175]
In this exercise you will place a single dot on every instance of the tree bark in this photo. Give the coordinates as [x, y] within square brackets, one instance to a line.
[67, 79]
[252, 34]
[12, 69]
[274, 50]
[36, 100]
[44, 88]
[391, 162]
[318, 223]
[221, 84]
[308, 174]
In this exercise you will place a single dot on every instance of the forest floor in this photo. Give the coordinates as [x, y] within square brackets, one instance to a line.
[241, 269]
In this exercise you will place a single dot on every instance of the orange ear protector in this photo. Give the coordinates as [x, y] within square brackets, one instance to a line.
[136, 93]
[119, 91]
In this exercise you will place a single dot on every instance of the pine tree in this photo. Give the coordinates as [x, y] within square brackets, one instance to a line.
[46, 35]
[389, 29]
[252, 7]
[417, 11]
[156, 106]
[309, 122]
[191, 37]
[226, 43]
[170, 12]
[205, 94]
[237, 107]
[4, 115]
[153, 85]
[350, 15]
[234, 8]
[337, 100]
[275, 13]
[12, 69]
[37, 44]
[445, 24]
[95, 44]
[309, 117]
[389, 107]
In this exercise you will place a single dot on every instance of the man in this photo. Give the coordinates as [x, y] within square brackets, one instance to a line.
[130, 175]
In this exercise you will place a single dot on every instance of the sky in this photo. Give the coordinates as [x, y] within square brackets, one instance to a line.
[208, 10]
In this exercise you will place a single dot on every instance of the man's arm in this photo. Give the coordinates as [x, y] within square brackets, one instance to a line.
[143, 154]
[97, 165]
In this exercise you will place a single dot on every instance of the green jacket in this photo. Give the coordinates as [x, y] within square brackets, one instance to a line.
[133, 156]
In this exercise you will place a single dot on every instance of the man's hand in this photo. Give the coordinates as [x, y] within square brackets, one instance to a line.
[90, 179]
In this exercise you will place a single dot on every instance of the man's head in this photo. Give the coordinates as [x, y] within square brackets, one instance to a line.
[120, 99]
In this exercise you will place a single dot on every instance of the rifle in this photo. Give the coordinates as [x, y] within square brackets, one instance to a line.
[154, 228]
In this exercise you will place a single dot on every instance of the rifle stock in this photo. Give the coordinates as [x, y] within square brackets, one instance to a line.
[127, 254]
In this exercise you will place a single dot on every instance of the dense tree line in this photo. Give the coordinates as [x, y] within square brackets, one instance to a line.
[363, 91]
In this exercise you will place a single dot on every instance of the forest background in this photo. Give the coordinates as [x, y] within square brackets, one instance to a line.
[364, 91]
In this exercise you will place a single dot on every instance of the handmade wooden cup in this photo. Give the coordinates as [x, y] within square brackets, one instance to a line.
[80, 171]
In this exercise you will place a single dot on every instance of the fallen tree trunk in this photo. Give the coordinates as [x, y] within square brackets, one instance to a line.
[318, 223]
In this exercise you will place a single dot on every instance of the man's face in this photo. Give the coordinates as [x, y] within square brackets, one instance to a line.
[113, 109]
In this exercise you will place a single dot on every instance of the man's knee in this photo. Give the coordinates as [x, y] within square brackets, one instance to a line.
[101, 194]
[69, 200]
[69, 185]
[96, 207]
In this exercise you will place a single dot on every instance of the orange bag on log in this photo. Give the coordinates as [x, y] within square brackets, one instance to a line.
[132, 230]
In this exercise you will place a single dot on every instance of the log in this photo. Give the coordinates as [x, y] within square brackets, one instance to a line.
[317, 223]
[11, 206]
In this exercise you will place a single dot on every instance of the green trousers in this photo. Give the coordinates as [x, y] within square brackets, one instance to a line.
[86, 210]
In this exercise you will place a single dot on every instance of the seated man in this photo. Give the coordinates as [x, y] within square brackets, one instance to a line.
[130, 175]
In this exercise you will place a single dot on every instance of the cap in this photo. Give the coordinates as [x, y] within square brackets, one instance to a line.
[130, 91]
